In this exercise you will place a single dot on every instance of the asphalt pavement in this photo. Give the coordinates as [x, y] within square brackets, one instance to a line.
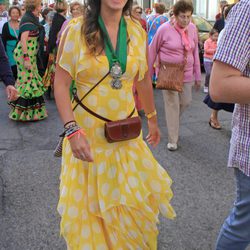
[29, 180]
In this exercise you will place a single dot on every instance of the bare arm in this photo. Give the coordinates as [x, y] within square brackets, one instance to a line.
[79, 144]
[145, 92]
[227, 84]
[61, 89]
[24, 39]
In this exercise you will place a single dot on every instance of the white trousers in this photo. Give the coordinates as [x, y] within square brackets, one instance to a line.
[175, 103]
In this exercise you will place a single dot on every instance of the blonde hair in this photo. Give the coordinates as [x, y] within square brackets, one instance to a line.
[60, 6]
[75, 3]
[30, 5]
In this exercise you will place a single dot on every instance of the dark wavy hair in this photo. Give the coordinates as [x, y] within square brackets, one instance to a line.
[91, 30]
[14, 7]
[183, 6]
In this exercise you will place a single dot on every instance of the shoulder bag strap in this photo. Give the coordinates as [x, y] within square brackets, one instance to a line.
[79, 102]
[185, 51]
[75, 92]
[185, 57]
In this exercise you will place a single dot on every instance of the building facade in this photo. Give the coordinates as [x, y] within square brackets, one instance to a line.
[205, 8]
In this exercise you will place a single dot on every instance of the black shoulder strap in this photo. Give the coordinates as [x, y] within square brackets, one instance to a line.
[79, 102]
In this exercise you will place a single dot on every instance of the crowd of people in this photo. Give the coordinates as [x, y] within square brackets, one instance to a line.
[30, 39]
[99, 61]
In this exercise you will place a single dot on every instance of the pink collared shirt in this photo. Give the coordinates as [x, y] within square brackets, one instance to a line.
[167, 46]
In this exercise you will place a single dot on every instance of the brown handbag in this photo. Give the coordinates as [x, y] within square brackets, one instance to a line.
[114, 131]
[122, 130]
[171, 75]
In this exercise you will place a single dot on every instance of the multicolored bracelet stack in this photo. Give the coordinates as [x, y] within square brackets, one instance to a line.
[71, 128]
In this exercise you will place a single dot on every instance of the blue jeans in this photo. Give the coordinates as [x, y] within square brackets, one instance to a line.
[235, 232]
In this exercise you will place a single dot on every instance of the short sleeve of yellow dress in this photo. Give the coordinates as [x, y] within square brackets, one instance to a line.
[114, 202]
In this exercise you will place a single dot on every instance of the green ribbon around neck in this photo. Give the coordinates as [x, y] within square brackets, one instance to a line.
[120, 53]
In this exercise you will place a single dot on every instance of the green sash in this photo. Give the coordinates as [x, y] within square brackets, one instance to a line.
[120, 53]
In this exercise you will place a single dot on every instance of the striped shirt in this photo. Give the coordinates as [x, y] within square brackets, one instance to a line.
[234, 50]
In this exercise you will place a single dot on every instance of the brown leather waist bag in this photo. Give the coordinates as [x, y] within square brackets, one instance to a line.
[122, 130]
[114, 131]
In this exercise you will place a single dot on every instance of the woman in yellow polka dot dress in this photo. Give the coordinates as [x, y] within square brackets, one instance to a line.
[110, 193]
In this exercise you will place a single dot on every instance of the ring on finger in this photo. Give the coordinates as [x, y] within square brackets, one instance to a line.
[83, 156]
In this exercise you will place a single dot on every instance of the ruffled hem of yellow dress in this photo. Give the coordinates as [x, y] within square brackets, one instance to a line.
[114, 202]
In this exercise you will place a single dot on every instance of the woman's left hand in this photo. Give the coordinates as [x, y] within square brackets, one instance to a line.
[154, 136]
[197, 85]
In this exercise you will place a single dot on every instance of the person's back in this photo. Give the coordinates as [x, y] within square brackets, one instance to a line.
[156, 20]
[57, 23]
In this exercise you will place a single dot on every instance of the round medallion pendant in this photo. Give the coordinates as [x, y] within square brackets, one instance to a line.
[116, 83]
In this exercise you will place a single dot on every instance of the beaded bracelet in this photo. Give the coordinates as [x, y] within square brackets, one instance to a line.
[70, 126]
[69, 122]
[71, 130]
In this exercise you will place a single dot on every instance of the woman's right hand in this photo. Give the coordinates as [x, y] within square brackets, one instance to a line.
[27, 65]
[80, 148]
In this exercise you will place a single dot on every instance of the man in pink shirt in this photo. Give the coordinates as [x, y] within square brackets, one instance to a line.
[168, 45]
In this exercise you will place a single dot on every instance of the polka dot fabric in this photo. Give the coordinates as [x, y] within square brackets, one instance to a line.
[114, 202]
[30, 105]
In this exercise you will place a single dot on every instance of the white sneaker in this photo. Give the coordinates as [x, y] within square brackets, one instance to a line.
[172, 146]
[205, 90]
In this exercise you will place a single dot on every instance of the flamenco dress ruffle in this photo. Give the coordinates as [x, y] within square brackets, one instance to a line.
[118, 198]
[30, 105]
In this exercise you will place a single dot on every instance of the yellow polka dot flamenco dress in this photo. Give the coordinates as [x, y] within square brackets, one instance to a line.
[114, 202]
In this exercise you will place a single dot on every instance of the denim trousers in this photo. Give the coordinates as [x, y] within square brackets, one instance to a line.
[235, 232]
[208, 69]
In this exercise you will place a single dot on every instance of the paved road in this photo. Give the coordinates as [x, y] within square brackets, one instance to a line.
[29, 179]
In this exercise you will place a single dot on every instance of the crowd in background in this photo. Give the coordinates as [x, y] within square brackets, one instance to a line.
[31, 34]
[54, 19]
[167, 32]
